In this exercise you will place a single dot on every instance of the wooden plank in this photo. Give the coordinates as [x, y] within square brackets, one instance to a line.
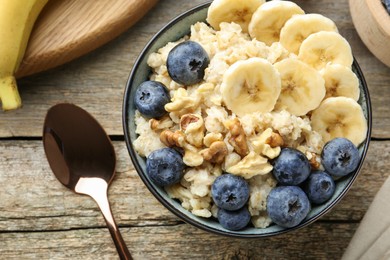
[39, 218]
[32, 192]
[32, 199]
[318, 241]
[97, 81]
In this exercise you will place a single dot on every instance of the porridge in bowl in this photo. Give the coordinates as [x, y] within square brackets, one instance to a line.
[250, 101]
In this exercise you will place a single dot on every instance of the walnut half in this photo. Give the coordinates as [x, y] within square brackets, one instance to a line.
[160, 124]
[170, 138]
[192, 126]
[187, 119]
[216, 153]
[238, 138]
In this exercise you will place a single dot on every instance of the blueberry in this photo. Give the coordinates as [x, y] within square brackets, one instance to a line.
[340, 157]
[287, 206]
[230, 192]
[386, 4]
[150, 99]
[234, 220]
[165, 166]
[319, 187]
[186, 63]
[291, 167]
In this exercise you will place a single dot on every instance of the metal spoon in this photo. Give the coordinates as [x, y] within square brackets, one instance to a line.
[83, 159]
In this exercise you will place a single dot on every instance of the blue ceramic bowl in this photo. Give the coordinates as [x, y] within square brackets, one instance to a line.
[176, 29]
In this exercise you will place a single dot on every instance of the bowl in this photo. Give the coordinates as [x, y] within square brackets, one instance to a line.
[174, 30]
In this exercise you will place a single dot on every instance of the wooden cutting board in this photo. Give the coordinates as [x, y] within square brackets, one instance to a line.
[67, 29]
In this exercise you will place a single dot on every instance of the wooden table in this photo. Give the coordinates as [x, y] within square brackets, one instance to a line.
[41, 219]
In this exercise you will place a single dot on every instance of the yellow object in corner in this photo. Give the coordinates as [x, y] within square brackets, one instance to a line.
[17, 18]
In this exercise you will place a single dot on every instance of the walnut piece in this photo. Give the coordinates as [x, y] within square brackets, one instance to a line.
[231, 159]
[181, 101]
[251, 165]
[210, 138]
[216, 153]
[275, 140]
[192, 126]
[160, 124]
[154, 124]
[187, 119]
[192, 158]
[238, 138]
[170, 138]
[267, 143]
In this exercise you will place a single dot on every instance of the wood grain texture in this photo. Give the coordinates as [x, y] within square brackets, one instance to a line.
[96, 81]
[69, 29]
[372, 22]
[319, 241]
[33, 199]
[41, 219]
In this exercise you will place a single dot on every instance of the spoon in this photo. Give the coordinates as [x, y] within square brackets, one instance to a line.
[82, 158]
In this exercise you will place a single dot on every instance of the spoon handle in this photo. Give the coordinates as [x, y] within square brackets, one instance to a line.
[120, 244]
[97, 189]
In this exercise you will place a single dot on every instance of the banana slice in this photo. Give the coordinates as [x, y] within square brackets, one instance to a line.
[236, 11]
[303, 88]
[322, 48]
[299, 27]
[269, 19]
[340, 117]
[251, 85]
[340, 81]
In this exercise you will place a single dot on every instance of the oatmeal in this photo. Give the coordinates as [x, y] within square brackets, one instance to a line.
[230, 44]
[238, 117]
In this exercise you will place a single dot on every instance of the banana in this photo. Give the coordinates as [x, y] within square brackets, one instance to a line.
[269, 18]
[340, 117]
[299, 27]
[303, 88]
[17, 18]
[236, 11]
[251, 85]
[322, 48]
[340, 81]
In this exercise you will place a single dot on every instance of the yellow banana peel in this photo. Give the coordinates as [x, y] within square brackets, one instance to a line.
[17, 18]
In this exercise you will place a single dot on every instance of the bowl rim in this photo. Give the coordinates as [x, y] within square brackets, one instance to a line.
[183, 216]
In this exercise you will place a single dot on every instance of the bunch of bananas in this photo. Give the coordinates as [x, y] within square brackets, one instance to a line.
[17, 18]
